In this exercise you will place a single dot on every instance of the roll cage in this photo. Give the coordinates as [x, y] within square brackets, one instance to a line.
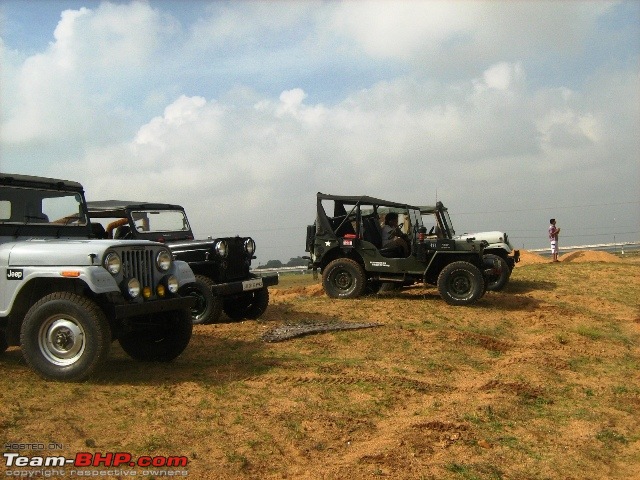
[354, 214]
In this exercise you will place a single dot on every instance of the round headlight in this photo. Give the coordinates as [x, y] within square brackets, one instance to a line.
[250, 246]
[133, 286]
[163, 260]
[112, 263]
[172, 284]
[221, 248]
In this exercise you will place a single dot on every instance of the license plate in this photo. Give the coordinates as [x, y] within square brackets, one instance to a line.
[252, 284]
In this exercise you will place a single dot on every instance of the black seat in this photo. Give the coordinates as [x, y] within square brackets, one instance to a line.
[98, 231]
[122, 233]
[372, 231]
[346, 227]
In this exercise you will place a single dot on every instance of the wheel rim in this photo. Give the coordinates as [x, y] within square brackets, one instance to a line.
[200, 307]
[460, 285]
[343, 280]
[61, 340]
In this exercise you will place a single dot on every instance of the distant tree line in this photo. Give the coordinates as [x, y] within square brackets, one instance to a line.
[294, 262]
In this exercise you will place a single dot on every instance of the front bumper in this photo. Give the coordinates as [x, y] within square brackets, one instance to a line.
[248, 285]
[511, 261]
[156, 306]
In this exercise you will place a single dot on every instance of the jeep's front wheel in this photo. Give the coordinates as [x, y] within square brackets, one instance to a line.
[496, 282]
[208, 307]
[161, 339]
[461, 283]
[65, 337]
[344, 278]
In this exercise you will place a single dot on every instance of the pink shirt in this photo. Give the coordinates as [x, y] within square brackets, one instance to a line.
[553, 232]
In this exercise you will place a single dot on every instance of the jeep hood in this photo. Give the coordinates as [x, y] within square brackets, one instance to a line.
[191, 244]
[490, 237]
[58, 252]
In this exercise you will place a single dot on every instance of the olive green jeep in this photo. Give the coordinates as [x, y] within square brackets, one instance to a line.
[346, 244]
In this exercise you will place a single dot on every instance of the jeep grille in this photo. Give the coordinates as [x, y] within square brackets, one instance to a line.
[235, 265]
[139, 264]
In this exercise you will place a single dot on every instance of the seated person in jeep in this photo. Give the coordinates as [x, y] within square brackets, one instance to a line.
[392, 236]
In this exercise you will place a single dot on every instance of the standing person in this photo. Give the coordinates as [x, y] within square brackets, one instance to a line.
[553, 238]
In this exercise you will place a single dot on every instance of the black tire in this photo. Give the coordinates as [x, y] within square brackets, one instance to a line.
[65, 336]
[461, 283]
[161, 339]
[3, 342]
[496, 283]
[208, 307]
[250, 305]
[344, 278]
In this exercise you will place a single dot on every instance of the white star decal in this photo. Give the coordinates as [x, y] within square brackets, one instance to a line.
[328, 243]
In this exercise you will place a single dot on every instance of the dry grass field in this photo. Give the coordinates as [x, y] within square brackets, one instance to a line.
[540, 381]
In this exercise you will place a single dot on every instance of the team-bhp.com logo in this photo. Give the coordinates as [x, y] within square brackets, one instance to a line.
[115, 460]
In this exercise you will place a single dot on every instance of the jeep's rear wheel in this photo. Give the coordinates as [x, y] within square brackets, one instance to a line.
[497, 282]
[249, 305]
[344, 278]
[162, 339]
[208, 307]
[65, 336]
[460, 283]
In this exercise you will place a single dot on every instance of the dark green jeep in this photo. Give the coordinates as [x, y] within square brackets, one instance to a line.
[346, 244]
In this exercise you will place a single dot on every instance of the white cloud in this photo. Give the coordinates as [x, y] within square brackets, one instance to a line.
[404, 29]
[440, 36]
[121, 101]
[502, 75]
[247, 153]
[95, 57]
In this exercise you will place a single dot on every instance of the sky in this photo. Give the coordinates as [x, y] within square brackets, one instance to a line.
[509, 112]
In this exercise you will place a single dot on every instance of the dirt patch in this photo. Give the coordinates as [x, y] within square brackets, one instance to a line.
[537, 381]
[589, 256]
[528, 258]
[300, 291]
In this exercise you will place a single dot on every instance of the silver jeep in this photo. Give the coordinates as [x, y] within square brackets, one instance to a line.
[65, 296]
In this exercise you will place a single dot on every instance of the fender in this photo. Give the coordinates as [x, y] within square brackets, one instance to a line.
[96, 278]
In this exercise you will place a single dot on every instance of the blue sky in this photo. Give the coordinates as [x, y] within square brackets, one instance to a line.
[513, 112]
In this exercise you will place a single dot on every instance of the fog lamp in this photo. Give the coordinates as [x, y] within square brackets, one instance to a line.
[133, 286]
[172, 284]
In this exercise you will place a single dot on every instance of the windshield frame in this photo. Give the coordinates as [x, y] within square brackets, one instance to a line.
[140, 220]
[42, 207]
